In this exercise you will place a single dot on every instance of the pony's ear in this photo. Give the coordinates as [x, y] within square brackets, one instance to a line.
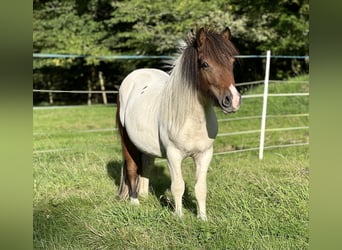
[227, 34]
[200, 37]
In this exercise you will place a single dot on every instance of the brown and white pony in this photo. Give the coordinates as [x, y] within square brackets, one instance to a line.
[172, 116]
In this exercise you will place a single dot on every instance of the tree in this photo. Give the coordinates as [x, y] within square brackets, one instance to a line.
[69, 27]
[282, 27]
[144, 27]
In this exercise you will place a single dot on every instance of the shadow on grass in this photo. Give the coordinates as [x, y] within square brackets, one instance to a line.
[114, 171]
[160, 182]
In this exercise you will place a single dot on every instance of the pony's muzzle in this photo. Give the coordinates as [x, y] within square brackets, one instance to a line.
[231, 102]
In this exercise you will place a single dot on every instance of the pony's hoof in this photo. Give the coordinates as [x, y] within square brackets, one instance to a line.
[179, 214]
[134, 201]
[203, 217]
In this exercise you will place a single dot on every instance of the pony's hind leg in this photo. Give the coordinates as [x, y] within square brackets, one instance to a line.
[131, 169]
[147, 163]
[131, 166]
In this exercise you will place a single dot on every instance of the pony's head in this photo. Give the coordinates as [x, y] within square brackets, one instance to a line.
[214, 67]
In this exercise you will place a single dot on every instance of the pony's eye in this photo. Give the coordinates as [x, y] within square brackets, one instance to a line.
[204, 65]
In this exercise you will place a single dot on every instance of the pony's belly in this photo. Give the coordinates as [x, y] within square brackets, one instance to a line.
[144, 136]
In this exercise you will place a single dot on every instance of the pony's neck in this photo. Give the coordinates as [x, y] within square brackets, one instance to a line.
[182, 100]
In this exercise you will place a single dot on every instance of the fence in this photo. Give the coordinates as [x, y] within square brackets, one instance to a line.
[263, 116]
[104, 93]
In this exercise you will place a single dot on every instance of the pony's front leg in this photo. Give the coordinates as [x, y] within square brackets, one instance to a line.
[174, 160]
[202, 162]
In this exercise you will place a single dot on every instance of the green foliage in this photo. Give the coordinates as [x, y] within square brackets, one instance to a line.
[144, 27]
[96, 27]
[155, 28]
[282, 27]
[63, 27]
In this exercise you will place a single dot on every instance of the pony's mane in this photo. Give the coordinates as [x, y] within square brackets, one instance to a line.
[182, 88]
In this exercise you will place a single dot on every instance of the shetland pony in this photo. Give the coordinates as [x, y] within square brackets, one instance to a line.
[172, 116]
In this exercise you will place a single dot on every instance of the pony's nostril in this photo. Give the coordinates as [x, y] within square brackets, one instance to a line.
[227, 101]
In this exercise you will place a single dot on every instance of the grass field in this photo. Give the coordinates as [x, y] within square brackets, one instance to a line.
[251, 203]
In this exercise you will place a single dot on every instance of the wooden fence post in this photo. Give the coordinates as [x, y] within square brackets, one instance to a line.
[50, 93]
[104, 95]
[89, 92]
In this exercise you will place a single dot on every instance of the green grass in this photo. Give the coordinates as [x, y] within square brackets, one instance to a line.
[251, 203]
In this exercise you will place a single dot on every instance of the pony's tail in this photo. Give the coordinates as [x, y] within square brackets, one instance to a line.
[123, 188]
